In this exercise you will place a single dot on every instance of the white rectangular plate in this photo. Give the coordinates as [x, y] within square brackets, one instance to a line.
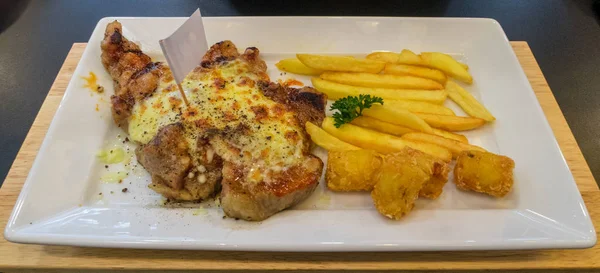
[61, 203]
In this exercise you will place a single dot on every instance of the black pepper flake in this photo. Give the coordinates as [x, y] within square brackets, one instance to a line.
[269, 138]
[111, 192]
[124, 190]
[106, 166]
[120, 181]
[224, 216]
[99, 193]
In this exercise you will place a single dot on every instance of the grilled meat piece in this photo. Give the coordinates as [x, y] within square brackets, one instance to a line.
[175, 175]
[238, 128]
[134, 73]
[242, 200]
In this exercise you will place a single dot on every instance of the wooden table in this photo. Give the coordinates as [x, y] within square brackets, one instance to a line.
[18, 257]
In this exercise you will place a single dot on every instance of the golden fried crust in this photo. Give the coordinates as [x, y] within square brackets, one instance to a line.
[484, 172]
[437, 168]
[398, 185]
[352, 170]
[434, 187]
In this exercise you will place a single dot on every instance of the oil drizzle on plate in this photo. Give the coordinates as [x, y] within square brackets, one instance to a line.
[91, 82]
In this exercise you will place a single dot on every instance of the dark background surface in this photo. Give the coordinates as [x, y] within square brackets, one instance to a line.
[35, 37]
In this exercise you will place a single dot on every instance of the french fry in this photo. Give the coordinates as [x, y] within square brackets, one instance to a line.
[420, 107]
[295, 66]
[408, 57]
[397, 116]
[417, 71]
[336, 91]
[381, 80]
[467, 102]
[380, 142]
[388, 57]
[327, 141]
[340, 63]
[450, 135]
[381, 126]
[451, 123]
[447, 64]
[454, 146]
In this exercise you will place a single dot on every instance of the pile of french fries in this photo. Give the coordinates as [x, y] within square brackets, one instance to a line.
[414, 88]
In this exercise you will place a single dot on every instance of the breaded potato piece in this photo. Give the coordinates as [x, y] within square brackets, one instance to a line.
[399, 182]
[484, 172]
[352, 170]
[438, 170]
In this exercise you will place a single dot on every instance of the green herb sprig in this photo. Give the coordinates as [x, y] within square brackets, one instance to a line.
[351, 107]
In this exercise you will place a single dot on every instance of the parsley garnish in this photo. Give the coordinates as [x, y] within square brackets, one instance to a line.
[350, 107]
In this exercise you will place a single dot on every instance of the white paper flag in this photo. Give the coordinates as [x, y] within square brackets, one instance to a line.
[185, 48]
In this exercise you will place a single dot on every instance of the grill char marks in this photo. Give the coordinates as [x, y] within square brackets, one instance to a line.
[134, 73]
[306, 102]
[219, 53]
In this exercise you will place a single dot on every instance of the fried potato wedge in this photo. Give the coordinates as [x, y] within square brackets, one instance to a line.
[484, 172]
[454, 146]
[420, 107]
[340, 63]
[336, 91]
[398, 185]
[447, 64]
[380, 142]
[451, 123]
[450, 135]
[467, 102]
[327, 141]
[382, 80]
[438, 170]
[295, 66]
[398, 116]
[417, 71]
[381, 126]
[352, 170]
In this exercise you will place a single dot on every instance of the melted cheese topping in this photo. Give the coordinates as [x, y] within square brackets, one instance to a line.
[226, 105]
[164, 107]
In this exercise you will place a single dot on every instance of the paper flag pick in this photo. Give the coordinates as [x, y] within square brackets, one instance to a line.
[185, 48]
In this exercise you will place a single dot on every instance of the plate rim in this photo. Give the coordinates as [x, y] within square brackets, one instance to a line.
[14, 235]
